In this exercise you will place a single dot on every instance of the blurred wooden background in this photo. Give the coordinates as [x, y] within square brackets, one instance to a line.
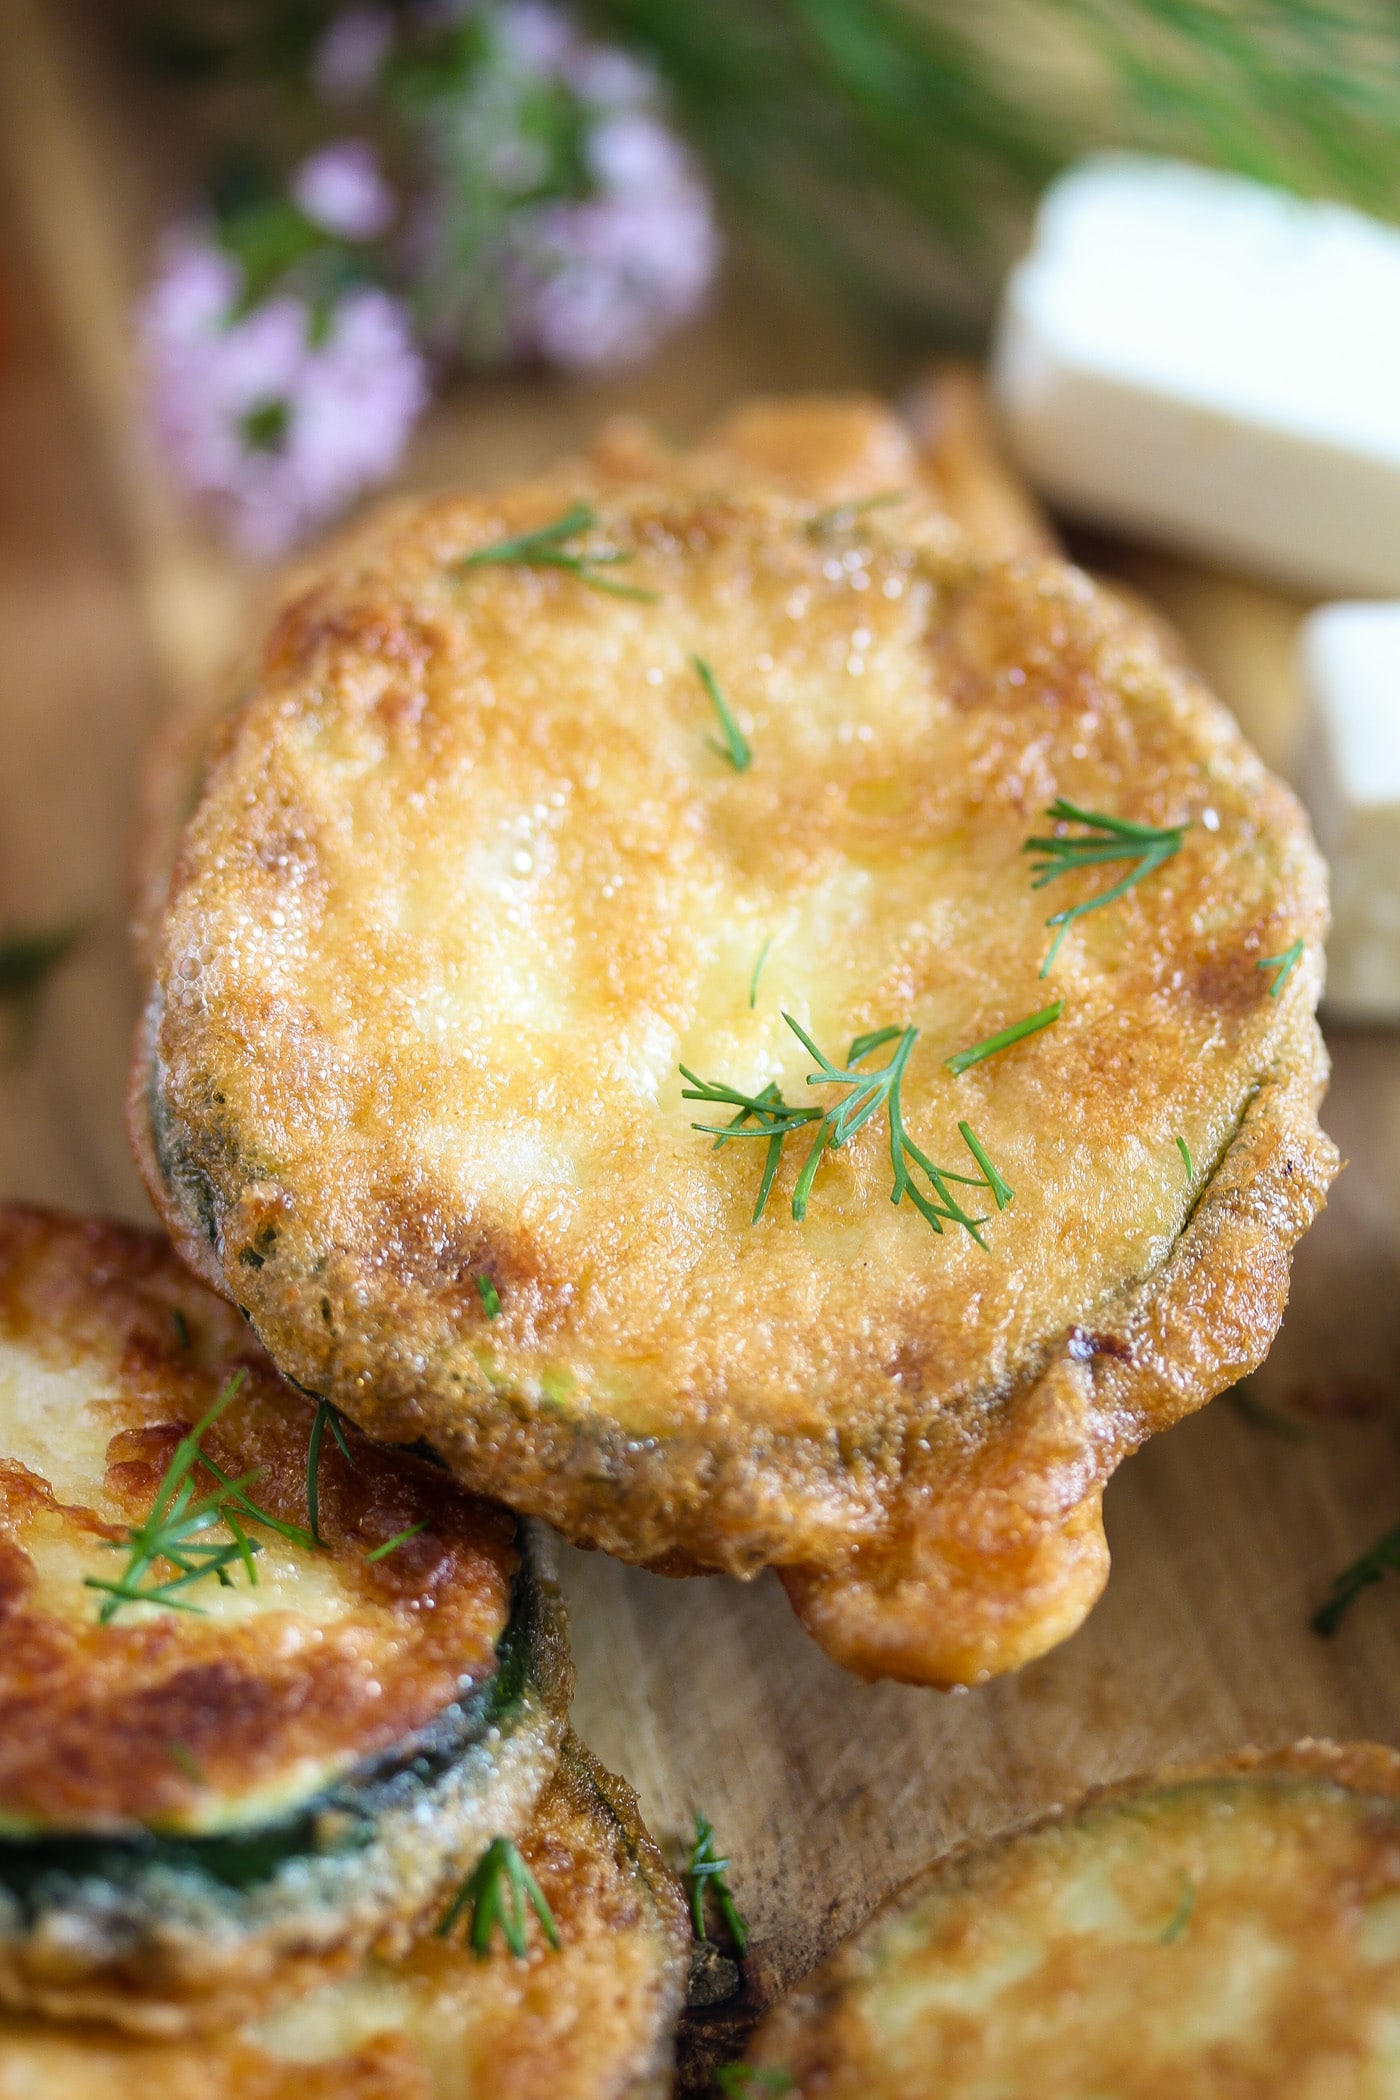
[1225, 1533]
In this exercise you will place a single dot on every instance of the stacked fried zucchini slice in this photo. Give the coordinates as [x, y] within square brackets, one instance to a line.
[272, 1695]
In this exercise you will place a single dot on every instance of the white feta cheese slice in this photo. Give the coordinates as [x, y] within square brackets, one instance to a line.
[1211, 363]
[1349, 666]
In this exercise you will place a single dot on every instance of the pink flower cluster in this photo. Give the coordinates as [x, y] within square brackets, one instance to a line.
[276, 417]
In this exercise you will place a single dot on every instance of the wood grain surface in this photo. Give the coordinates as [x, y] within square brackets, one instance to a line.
[1224, 1533]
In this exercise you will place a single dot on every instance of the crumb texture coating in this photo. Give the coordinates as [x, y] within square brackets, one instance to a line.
[593, 2022]
[201, 1808]
[1227, 1933]
[467, 882]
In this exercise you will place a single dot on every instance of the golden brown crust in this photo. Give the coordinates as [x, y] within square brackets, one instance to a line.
[401, 1051]
[594, 2022]
[934, 1995]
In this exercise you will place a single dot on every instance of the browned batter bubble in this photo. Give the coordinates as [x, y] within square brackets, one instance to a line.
[469, 880]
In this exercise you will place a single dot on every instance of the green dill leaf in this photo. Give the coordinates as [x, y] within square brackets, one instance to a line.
[400, 1538]
[706, 1872]
[1103, 839]
[735, 746]
[325, 1415]
[1005, 1037]
[499, 1892]
[1285, 964]
[1246, 1402]
[758, 972]
[544, 548]
[181, 1326]
[808, 1175]
[1181, 1916]
[864, 1044]
[840, 516]
[746, 2081]
[1185, 1150]
[490, 1297]
[184, 1760]
[27, 958]
[1002, 1192]
[1374, 1564]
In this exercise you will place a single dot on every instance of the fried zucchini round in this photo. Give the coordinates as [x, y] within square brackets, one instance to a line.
[208, 1784]
[1230, 1932]
[594, 2021]
[478, 867]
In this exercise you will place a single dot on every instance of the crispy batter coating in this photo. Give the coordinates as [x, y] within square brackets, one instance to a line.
[468, 881]
[1226, 1932]
[356, 1697]
[593, 2022]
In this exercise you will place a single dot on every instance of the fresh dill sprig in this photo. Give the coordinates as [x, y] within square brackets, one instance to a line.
[184, 1760]
[490, 1297]
[26, 961]
[1102, 841]
[181, 1326]
[499, 1889]
[1373, 1566]
[1285, 964]
[736, 745]
[707, 1871]
[758, 972]
[171, 1532]
[400, 1538]
[1181, 1916]
[744, 2081]
[326, 1415]
[545, 548]
[840, 515]
[1005, 1037]
[867, 1093]
[1246, 1402]
[1185, 1150]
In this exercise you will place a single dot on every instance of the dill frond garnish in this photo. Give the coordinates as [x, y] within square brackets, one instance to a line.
[171, 1533]
[843, 515]
[758, 971]
[26, 961]
[706, 1872]
[735, 746]
[744, 2081]
[181, 1326]
[545, 548]
[184, 1760]
[498, 1890]
[1005, 1037]
[1181, 1916]
[1185, 1150]
[1375, 1563]
[867, 1093]
[325, 1415]
[1102, 842]
[400, 1538]
[490, 1297]
[1285, 964]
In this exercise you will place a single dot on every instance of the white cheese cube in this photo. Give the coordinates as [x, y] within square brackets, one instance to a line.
[1213, 364]
[1349, 666]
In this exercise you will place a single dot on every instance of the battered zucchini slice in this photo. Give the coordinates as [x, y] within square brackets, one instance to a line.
[1228, 1932]
[555, 824]
[214, 1785]
[593, 2021]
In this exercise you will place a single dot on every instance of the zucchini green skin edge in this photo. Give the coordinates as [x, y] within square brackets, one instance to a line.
[160, 1917]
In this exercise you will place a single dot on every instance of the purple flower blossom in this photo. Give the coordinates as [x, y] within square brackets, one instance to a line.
[518, 258]
[351, 54]
[279, 416]
[341, 190]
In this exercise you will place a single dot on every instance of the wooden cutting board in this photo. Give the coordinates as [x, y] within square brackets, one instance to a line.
[1224, 1533]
